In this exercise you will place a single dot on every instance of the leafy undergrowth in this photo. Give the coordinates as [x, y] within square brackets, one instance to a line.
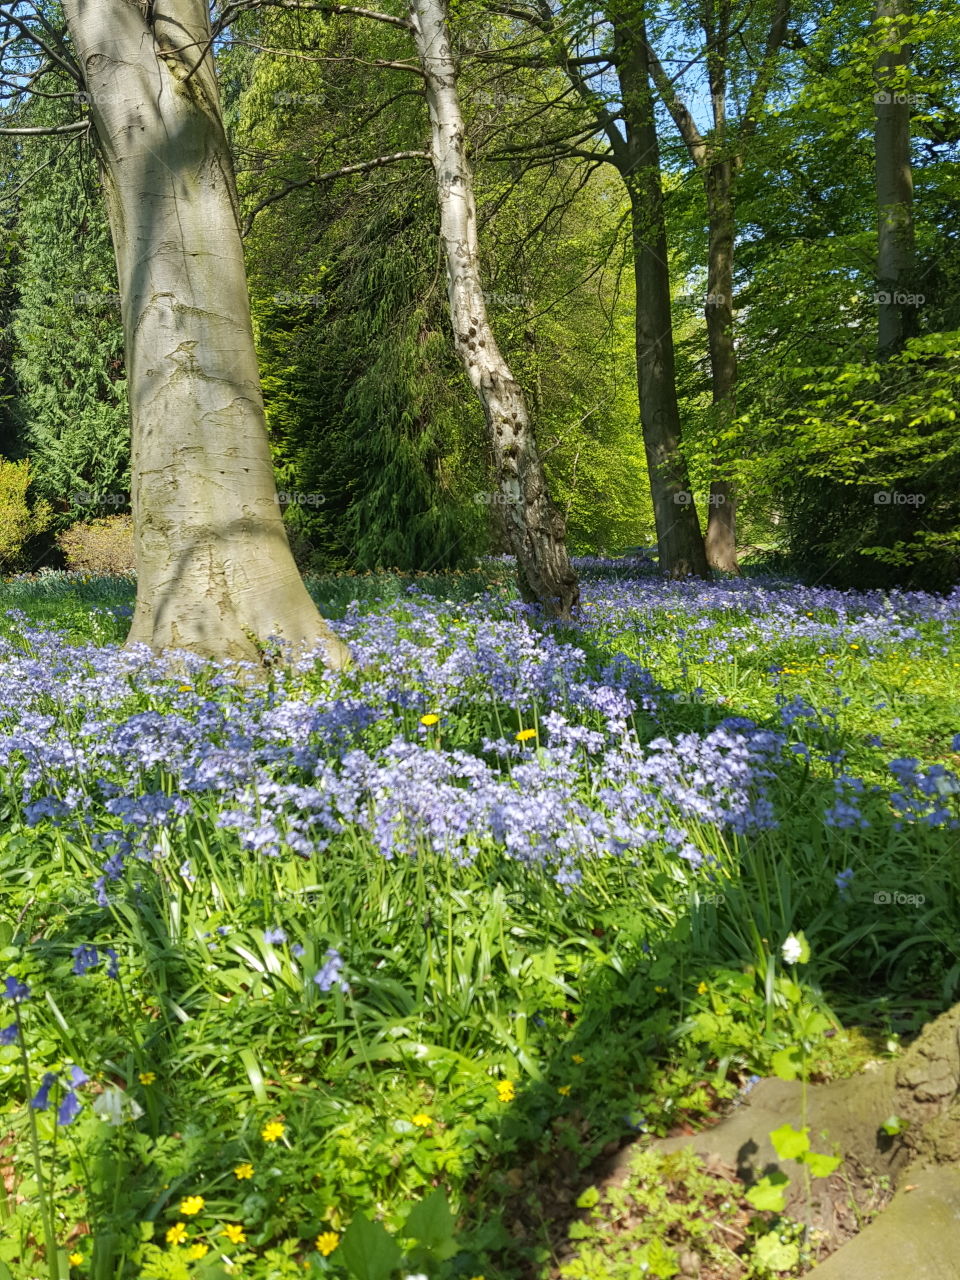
[280, 961]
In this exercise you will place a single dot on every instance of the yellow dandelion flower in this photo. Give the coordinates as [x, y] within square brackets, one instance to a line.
[564, 1090]
[430, 719]
[184, 688]
[191, 1205]
[272, 1131]
[75, 1259]
[243, 1171]
[505, 1090]
[234, 1232]
[702, 989]
[421, 1119]
[147, 1077]
[526, 734]
[577, 1058]
[177, 1234]
[854, 646]
[327, 1242]
[198, 1250]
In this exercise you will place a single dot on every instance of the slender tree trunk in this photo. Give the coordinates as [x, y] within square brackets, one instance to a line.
[214, 569]
[535, 526]
[721, 539]
[896, 249]
[679, 539]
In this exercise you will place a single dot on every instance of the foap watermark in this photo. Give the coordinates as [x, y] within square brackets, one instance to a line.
[898, 298]
[509, 300]
[885, 98]
[99, 99]
[695, 899]
[87, 498]
[684, 499]
[96, 300]
[700, 299]
[283, 99]
[495, 498]
[887, 898]
[290, 499]
[287, 299]
[891, 498]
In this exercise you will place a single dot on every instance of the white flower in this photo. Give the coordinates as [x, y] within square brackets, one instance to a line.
[792, 949]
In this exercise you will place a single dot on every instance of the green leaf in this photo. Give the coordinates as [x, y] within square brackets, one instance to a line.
[769, 1192]
[368, 1250]
[820, 1165]
[787, 1063]
[771, 1252]
[790, 1143]
[430, 1222]
[893, 1125]
[587, 1199]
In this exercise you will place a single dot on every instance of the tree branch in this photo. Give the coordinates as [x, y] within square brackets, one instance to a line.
[365, 166]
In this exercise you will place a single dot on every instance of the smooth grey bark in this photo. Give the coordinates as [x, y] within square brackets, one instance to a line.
[679, 538]
[535, 527]
[214, 570]
[896, 244]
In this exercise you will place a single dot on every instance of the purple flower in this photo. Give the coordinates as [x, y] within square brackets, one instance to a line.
[78, 1076]
[85, 958]
[275, 937]
[14, 990]
[329, 975]
[8, 1035]
[41, 1099]
[113, 967]
[297, 949]
[69, 1108]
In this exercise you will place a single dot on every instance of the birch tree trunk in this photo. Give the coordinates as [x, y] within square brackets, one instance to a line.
[534, 525]
[214, 570]
[896, 248]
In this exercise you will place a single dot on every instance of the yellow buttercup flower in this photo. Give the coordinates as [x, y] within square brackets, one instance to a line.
[177, 1234]
[327, 1242]
[661, 991]
[198, 1250]
[421, 1119]
[75, 1259]
[505, 1090]
[272, 1131]
[430, 719]
[526, 734]
[702, 989]
[185, 688]
[577, 1058]
[243, 1171]
[191, 1205]
[564, 1090]
[234, 1232]
[147, 1077]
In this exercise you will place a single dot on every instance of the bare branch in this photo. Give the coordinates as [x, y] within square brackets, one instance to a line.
[365, 166]
[78, 126]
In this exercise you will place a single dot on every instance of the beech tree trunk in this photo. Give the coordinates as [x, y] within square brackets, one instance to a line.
[214, 570]
[534, 525]
[679, 539]
[721, 539]
[896, 248]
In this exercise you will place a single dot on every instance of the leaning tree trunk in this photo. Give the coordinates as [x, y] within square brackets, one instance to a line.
[721, 539]
[214, 570]
[535, 527]
[896, 249]
[679, 540]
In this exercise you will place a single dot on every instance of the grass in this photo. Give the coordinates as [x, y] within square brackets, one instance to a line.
[498, 1030]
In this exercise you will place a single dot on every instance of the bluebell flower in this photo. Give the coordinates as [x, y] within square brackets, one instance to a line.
[113, 966]
[297, 949]
[274, 936]
[329, 975]
[14, 990]
[41, 1099]
[69, 1108]
[843, 880]
[8, 1035]
[78, 1077]
[85, 958]
[955, 742]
